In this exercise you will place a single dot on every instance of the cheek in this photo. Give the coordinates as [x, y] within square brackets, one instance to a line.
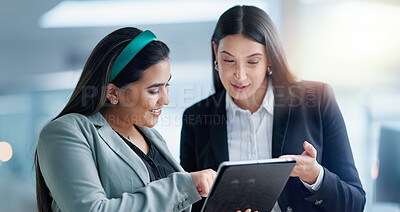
[224, 75]
[148, 102]
[130, 98]
[259, 74]
[227, 68]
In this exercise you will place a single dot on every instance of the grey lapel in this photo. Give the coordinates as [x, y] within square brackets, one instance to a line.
[115, 142]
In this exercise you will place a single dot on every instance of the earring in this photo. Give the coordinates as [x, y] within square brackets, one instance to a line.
[269, 71]
[215, 65]
[114, 102]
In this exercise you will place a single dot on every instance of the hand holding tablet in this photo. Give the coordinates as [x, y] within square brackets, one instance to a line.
[307, 168]
[244, 185]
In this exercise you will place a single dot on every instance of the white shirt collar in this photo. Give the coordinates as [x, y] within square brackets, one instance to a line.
[267, 104]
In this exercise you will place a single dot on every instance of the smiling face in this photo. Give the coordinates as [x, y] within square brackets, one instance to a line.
[140, 103]
[242, 67]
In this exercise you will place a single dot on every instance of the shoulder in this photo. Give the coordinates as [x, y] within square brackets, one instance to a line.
[71, 119]
[66, 124]
[323, 90]
[71, 131]
[311, 86]
[313, 97]
[311, 91]
[206, 105]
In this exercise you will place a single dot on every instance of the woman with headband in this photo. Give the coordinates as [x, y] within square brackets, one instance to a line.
[260, 111]
[101, 153]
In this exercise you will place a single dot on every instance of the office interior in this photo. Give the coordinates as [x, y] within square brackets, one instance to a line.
[353, 45]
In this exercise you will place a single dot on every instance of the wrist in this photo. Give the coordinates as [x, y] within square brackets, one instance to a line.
[314, 172]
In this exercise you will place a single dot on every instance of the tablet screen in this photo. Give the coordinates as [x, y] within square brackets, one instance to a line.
[248, 184]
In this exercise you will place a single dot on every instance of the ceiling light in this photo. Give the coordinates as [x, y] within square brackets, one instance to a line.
[118, 13]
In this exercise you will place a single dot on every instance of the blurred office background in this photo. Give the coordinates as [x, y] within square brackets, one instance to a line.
[353, 45]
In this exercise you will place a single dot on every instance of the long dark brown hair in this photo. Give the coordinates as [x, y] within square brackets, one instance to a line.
[255, 24]
[89, 95]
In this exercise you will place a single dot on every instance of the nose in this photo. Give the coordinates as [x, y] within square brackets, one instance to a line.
[164, 97]
[240, 74]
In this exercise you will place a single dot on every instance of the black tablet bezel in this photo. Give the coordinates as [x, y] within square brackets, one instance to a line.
[225, 165]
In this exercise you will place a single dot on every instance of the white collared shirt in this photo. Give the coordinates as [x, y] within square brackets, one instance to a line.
[250, 135]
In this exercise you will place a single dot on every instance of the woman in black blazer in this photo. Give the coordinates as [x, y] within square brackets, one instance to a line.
[260, 111]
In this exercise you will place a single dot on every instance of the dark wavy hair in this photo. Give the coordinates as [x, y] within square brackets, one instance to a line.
[255, 24]
[89, 95]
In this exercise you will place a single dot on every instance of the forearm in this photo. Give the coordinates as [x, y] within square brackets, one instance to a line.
[173, 193]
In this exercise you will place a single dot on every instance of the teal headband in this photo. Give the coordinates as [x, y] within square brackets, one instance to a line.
[137, 44]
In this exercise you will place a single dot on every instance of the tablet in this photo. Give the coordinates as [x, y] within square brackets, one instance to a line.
[248, 184]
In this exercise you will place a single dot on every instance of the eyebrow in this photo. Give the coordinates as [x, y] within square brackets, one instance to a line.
[252, 55]
[159, 84]
[255, 54]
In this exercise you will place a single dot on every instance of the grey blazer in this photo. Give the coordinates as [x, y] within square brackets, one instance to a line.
[88, 167]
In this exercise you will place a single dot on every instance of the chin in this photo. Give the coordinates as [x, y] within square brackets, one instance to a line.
[238, 96]
[151, 123]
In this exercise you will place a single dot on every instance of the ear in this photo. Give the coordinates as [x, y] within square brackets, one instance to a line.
[112, 92]
[214, 46]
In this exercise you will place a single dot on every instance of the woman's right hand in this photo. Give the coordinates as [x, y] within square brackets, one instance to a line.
[203, 180]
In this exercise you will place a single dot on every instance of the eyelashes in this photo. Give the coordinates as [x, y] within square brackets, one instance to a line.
[250, 62]
[157, 91]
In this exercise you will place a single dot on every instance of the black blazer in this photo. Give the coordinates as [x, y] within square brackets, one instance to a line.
[302, 111]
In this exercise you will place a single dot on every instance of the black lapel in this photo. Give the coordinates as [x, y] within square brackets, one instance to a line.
[217, 127]
[281, 118]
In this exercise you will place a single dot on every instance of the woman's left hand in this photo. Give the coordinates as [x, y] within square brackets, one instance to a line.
[307, 167]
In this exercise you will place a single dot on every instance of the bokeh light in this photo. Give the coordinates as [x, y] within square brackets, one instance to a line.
[5, 151]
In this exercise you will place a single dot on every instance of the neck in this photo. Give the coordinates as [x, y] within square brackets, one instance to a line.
[119, 123]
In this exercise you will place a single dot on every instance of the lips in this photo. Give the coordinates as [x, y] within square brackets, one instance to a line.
[156, 112]
[239, 88]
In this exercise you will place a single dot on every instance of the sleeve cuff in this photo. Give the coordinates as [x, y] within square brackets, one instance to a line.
[314, 187]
